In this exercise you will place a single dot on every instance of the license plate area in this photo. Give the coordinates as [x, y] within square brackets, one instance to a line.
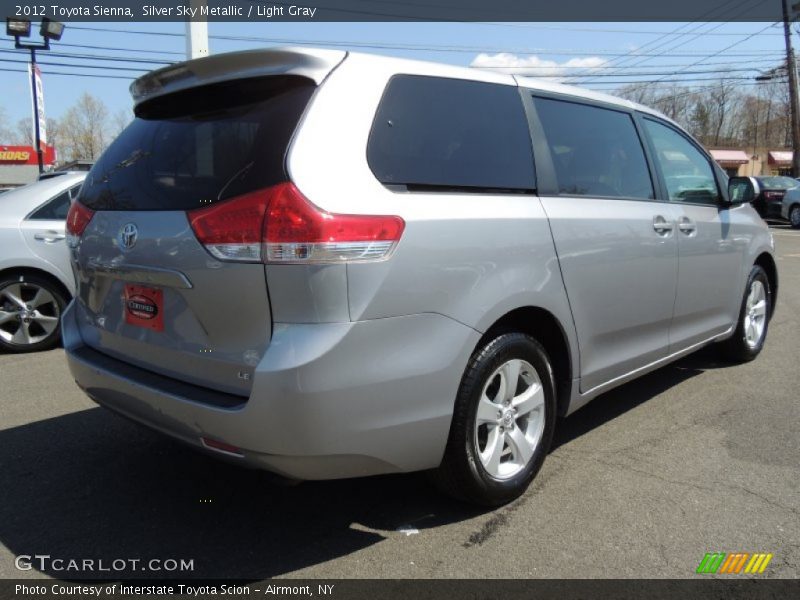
[144, 307]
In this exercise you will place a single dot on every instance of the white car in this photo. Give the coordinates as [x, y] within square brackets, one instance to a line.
[36, 280]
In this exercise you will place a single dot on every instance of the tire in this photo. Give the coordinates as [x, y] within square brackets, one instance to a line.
[498, 441]
[794, 216]
[30, 313]
[751, 329]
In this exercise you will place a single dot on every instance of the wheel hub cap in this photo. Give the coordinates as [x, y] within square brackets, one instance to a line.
[28, 313]
[509, 421]
[755, 317]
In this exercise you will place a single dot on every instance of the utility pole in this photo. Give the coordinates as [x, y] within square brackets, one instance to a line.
[197, 32]
[792, 68]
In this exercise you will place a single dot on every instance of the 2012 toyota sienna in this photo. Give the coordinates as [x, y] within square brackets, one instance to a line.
[328, 264]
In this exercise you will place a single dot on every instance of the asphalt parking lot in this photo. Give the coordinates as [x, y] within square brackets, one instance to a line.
[697, 457]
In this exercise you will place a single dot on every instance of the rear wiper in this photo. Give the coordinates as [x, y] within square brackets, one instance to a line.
[240, 173]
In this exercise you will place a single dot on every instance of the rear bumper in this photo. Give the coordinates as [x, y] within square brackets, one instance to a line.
[328, 400]
[773, 208]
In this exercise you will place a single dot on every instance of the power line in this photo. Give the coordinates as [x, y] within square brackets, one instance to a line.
[634, 55]
[728, 47]
[642, 74]
[638, 52]
[598, 30]
[48, 72]
[73, 65]
[115, 49]
[388, 46]
[96, 57]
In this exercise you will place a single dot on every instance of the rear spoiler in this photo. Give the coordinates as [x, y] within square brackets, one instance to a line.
[313, 63]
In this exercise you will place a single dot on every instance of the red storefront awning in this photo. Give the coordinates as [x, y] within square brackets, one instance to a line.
[730, 157]
[780, 157]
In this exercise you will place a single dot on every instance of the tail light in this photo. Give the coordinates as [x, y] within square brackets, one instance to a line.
[773, 195]
[280, 225]
[78, 218]
[231, 230]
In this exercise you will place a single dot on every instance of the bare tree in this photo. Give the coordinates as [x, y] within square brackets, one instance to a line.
[84, 129]
[6, 136]
[23, 132]
[121, 119]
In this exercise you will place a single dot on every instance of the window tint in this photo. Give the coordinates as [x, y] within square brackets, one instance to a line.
[430, 131]
[200, 146]
[687, 171]
[596, 151]
[54, 210]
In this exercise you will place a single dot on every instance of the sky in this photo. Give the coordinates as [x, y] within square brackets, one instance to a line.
[605, 55]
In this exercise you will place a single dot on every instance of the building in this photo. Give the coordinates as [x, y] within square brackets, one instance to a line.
[19, 165]
[762, 161]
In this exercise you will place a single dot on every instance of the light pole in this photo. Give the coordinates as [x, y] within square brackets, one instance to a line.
[50, 30]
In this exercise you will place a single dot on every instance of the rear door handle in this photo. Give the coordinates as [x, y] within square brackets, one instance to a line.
[687, 226]
[49, 237]
[661, 225]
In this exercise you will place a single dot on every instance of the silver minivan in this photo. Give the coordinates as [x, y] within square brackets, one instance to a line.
[328, 264]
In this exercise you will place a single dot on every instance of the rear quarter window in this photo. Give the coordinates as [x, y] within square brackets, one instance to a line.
[432, 132]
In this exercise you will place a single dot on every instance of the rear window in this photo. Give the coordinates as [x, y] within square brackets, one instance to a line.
[200, 146]
[451, 133]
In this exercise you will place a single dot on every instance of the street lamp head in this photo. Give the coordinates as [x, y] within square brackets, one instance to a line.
[51, 30]
[17, 28]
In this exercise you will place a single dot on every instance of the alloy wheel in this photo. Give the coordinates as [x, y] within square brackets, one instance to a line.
[794, 216]
[29, 313]
[510, 419]
[755, 314]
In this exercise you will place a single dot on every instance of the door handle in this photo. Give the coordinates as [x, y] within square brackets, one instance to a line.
[687, 226]
[661, 225]
[49, 237]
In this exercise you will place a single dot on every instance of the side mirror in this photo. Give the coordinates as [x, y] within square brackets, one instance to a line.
[743, 189]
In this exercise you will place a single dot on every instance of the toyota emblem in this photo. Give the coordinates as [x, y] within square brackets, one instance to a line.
[127, 236]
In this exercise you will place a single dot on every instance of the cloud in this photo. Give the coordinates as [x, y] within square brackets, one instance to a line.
[506, 62]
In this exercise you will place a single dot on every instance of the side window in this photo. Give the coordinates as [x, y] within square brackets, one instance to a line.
[55, 209]
[451, 133]
[687, 171]
[596, 151]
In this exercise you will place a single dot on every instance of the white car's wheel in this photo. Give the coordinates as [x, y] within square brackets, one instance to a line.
[30, 313]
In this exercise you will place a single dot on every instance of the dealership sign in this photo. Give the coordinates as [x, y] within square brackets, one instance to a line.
[36, 81]
[25, 155]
